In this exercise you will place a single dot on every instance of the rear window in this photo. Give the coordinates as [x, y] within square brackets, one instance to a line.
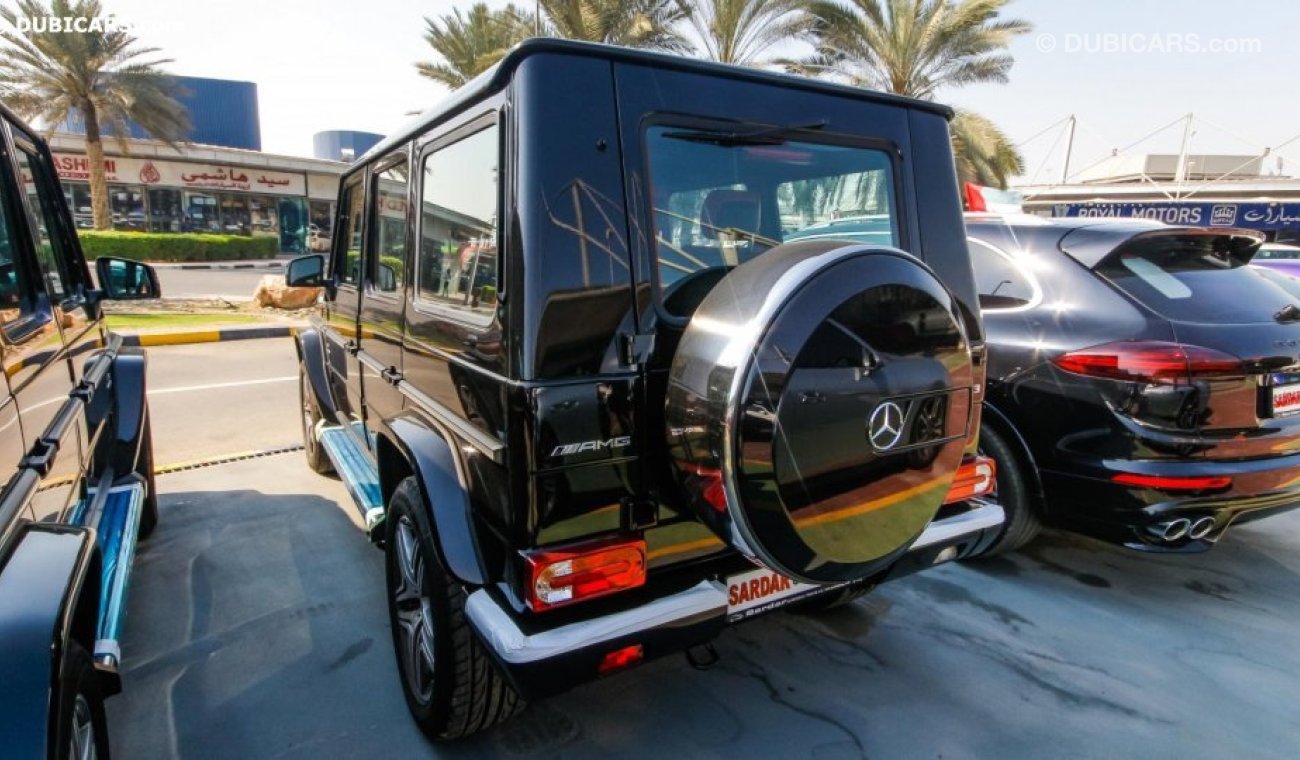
[1195, 279]
[723, 197]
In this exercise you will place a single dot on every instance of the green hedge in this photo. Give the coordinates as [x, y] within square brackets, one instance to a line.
[166, 246]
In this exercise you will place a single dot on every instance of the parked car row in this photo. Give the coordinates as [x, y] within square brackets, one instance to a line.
[643, 348]
[735, 361]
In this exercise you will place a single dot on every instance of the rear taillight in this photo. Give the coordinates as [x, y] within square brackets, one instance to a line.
[588, 570]
[976, 477]
[1150, 361]
[1168, 483]
[622, 658]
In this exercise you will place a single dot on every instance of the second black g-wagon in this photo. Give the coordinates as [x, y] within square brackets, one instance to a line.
[598, 402]
[1144, 382]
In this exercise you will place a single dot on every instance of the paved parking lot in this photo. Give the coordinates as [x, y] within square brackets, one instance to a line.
[257, 628]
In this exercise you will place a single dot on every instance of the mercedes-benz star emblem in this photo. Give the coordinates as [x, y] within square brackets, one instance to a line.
[885, 427]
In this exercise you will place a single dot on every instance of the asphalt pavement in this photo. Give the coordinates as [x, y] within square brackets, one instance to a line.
[230, 284]
[257, 628]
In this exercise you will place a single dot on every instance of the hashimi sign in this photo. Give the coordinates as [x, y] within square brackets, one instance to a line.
[1252, 215]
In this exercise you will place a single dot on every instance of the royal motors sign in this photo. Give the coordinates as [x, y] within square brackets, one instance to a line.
[191, 176]
[1253, 215]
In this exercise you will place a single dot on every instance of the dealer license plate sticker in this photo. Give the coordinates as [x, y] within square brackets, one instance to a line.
[1286, 399]
[760, 590]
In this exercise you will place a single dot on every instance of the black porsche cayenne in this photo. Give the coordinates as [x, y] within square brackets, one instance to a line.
[1144, 381]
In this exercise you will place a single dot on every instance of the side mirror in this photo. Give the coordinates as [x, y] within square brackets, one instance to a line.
[126, 280]
[305, 271]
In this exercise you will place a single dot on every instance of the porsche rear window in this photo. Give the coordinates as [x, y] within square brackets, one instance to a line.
[1191, 280]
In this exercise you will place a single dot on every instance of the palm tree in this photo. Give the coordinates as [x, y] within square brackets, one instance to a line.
[105, 77]
[917, 47]
[471, 43]
[984, 153]
[632, 23]
[741, 31]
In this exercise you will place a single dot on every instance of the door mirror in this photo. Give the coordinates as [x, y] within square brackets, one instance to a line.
[305, 271]
[126, 280]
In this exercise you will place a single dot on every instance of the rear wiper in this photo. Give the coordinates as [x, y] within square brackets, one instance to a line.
[761, 136]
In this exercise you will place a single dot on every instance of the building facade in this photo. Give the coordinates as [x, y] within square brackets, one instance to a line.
[222, 112]
[205, 188]
[343, 144]
[1201, 191]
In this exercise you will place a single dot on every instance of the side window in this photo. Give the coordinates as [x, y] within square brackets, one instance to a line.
[1001, 282]
[13, 300]
[44, 216]
[390, 239]
[457, 266]
[353, 210]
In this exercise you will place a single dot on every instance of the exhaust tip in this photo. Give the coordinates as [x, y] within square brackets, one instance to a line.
[1201, 528]
[1171, 530]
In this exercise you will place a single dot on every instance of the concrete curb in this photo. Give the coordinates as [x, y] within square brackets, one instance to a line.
[183, 337]
[226, 265]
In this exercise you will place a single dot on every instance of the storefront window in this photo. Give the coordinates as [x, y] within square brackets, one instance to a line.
[127, 204]
[78, 197]
[165, 210]
[265, 220]
[201, 213]
[235, 216]
[293, 225]
[321, 228]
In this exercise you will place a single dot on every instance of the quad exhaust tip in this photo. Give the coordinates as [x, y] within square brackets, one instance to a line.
[1201, 528]
[1183, 527]
[1172, 530]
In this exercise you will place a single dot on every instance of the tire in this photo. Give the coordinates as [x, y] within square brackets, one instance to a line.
[317, 459]
[82, 726]
[1013, 493]
[149, 512]
[452, 687]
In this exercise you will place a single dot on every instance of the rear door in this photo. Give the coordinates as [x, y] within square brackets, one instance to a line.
[15, 307]
[384, 287]
[342, 311]
[37, 361]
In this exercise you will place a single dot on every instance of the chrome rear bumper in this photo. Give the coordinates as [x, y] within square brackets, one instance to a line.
[702, 604]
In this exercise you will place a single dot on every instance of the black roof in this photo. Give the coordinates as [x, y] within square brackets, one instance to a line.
[496, 78]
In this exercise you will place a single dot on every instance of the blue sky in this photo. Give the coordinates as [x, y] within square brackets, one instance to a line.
[347, 64]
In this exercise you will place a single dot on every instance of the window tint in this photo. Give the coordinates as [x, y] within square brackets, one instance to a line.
[1195, 278]
[391, 185]
[999, 280]
[44, 223]
[722, 198]
[458, 226]
[354, 212]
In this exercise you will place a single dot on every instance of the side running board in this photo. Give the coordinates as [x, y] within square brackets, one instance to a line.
[358, 473]
[116, 520]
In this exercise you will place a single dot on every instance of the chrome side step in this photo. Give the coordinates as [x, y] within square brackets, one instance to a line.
[357, 473]
[116, 520]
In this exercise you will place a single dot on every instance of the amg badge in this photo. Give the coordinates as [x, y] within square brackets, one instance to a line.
[564, 450]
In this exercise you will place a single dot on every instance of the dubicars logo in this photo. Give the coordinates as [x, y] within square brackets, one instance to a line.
[885, 428]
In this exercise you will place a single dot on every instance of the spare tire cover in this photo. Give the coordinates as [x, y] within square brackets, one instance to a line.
[818, 405]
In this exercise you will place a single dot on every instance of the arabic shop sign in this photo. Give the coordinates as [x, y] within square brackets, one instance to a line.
[145, 171]
[1257, 215]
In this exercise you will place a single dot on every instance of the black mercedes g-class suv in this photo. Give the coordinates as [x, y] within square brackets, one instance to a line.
[76, 475]
[592, 404]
